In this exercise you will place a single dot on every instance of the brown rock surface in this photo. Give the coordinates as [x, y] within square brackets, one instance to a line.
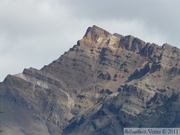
[102, 84]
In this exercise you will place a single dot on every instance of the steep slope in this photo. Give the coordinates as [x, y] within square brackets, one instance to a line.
[102, 84]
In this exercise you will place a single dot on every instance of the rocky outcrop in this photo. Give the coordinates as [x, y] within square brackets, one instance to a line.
[104, 83]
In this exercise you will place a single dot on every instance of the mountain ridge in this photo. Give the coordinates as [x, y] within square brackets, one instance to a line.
[102, 84]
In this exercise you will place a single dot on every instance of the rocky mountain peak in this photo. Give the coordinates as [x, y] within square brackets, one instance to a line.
[96, 34]
[104, 83]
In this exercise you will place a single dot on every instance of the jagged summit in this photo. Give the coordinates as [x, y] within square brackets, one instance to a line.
[95, 35]
[95, 31]
[98, 37]
[104, 83]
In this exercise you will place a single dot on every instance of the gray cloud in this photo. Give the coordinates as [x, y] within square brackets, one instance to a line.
[36, 32]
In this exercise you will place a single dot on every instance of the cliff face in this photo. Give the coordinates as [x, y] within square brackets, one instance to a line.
[102, 84]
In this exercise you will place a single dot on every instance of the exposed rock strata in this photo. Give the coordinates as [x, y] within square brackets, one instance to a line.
[102, 84]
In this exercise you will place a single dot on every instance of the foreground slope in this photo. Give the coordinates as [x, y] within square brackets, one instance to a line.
[102, 84]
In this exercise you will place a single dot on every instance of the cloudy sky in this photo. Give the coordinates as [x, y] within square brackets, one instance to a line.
[33, 33]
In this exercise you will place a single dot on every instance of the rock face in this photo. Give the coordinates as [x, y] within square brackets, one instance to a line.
[104, 83]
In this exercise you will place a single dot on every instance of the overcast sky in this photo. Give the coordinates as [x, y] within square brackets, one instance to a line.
[33, 33]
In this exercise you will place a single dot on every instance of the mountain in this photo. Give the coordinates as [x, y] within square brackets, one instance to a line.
[104, 83]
